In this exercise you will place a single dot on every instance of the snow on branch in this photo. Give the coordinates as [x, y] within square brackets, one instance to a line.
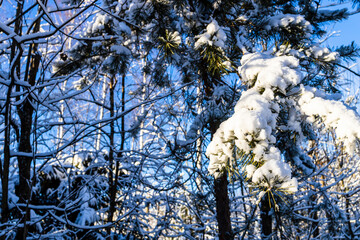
[214, 36]
[333, 114]
[251, 130]
[267, 126]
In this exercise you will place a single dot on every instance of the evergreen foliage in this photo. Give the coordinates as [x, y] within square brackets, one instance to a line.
[176, 119]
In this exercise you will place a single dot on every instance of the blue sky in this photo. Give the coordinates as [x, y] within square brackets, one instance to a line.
[349, 30]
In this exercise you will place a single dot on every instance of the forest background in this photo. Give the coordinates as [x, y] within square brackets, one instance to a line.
[178, 119]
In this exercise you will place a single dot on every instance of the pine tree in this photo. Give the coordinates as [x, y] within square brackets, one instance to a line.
[272, 120]
[153, 82]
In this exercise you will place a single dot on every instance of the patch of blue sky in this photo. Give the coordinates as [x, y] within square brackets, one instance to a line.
[344, 33]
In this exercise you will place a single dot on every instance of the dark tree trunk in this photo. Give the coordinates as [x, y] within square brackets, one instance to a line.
[113, 187]
[6, 164]
[111, 155]
[223, 207]
[113, 180]
[25, 112]
[24, 188]
[266, 218]
[220, 184]
[15, 59]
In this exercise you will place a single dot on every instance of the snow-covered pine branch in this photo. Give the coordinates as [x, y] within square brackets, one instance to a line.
[276, 102]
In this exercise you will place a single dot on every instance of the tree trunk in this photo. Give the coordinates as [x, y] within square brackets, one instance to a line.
[266, 218]
[220, 184]
[5, 169]
[24, 141]
[15, 59]
[24, 189]
[223, 207]
[113, 181]
[25, 112]
[111, 151]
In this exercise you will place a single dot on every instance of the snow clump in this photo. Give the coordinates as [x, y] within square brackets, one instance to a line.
[333, 114]
[277, 102]
[214, 36]
[322, 53]
[251, 129]
[289, 21]
[265, 72]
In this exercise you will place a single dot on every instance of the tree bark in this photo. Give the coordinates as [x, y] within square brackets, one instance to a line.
[15, 60]
[223, 207]
[112, 180]
[6, 165]
[111, 152]
[266, 218]
[221, 185]
[25, 112]
[24, 162]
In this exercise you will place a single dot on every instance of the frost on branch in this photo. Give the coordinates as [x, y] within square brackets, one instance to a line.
[270, 125]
